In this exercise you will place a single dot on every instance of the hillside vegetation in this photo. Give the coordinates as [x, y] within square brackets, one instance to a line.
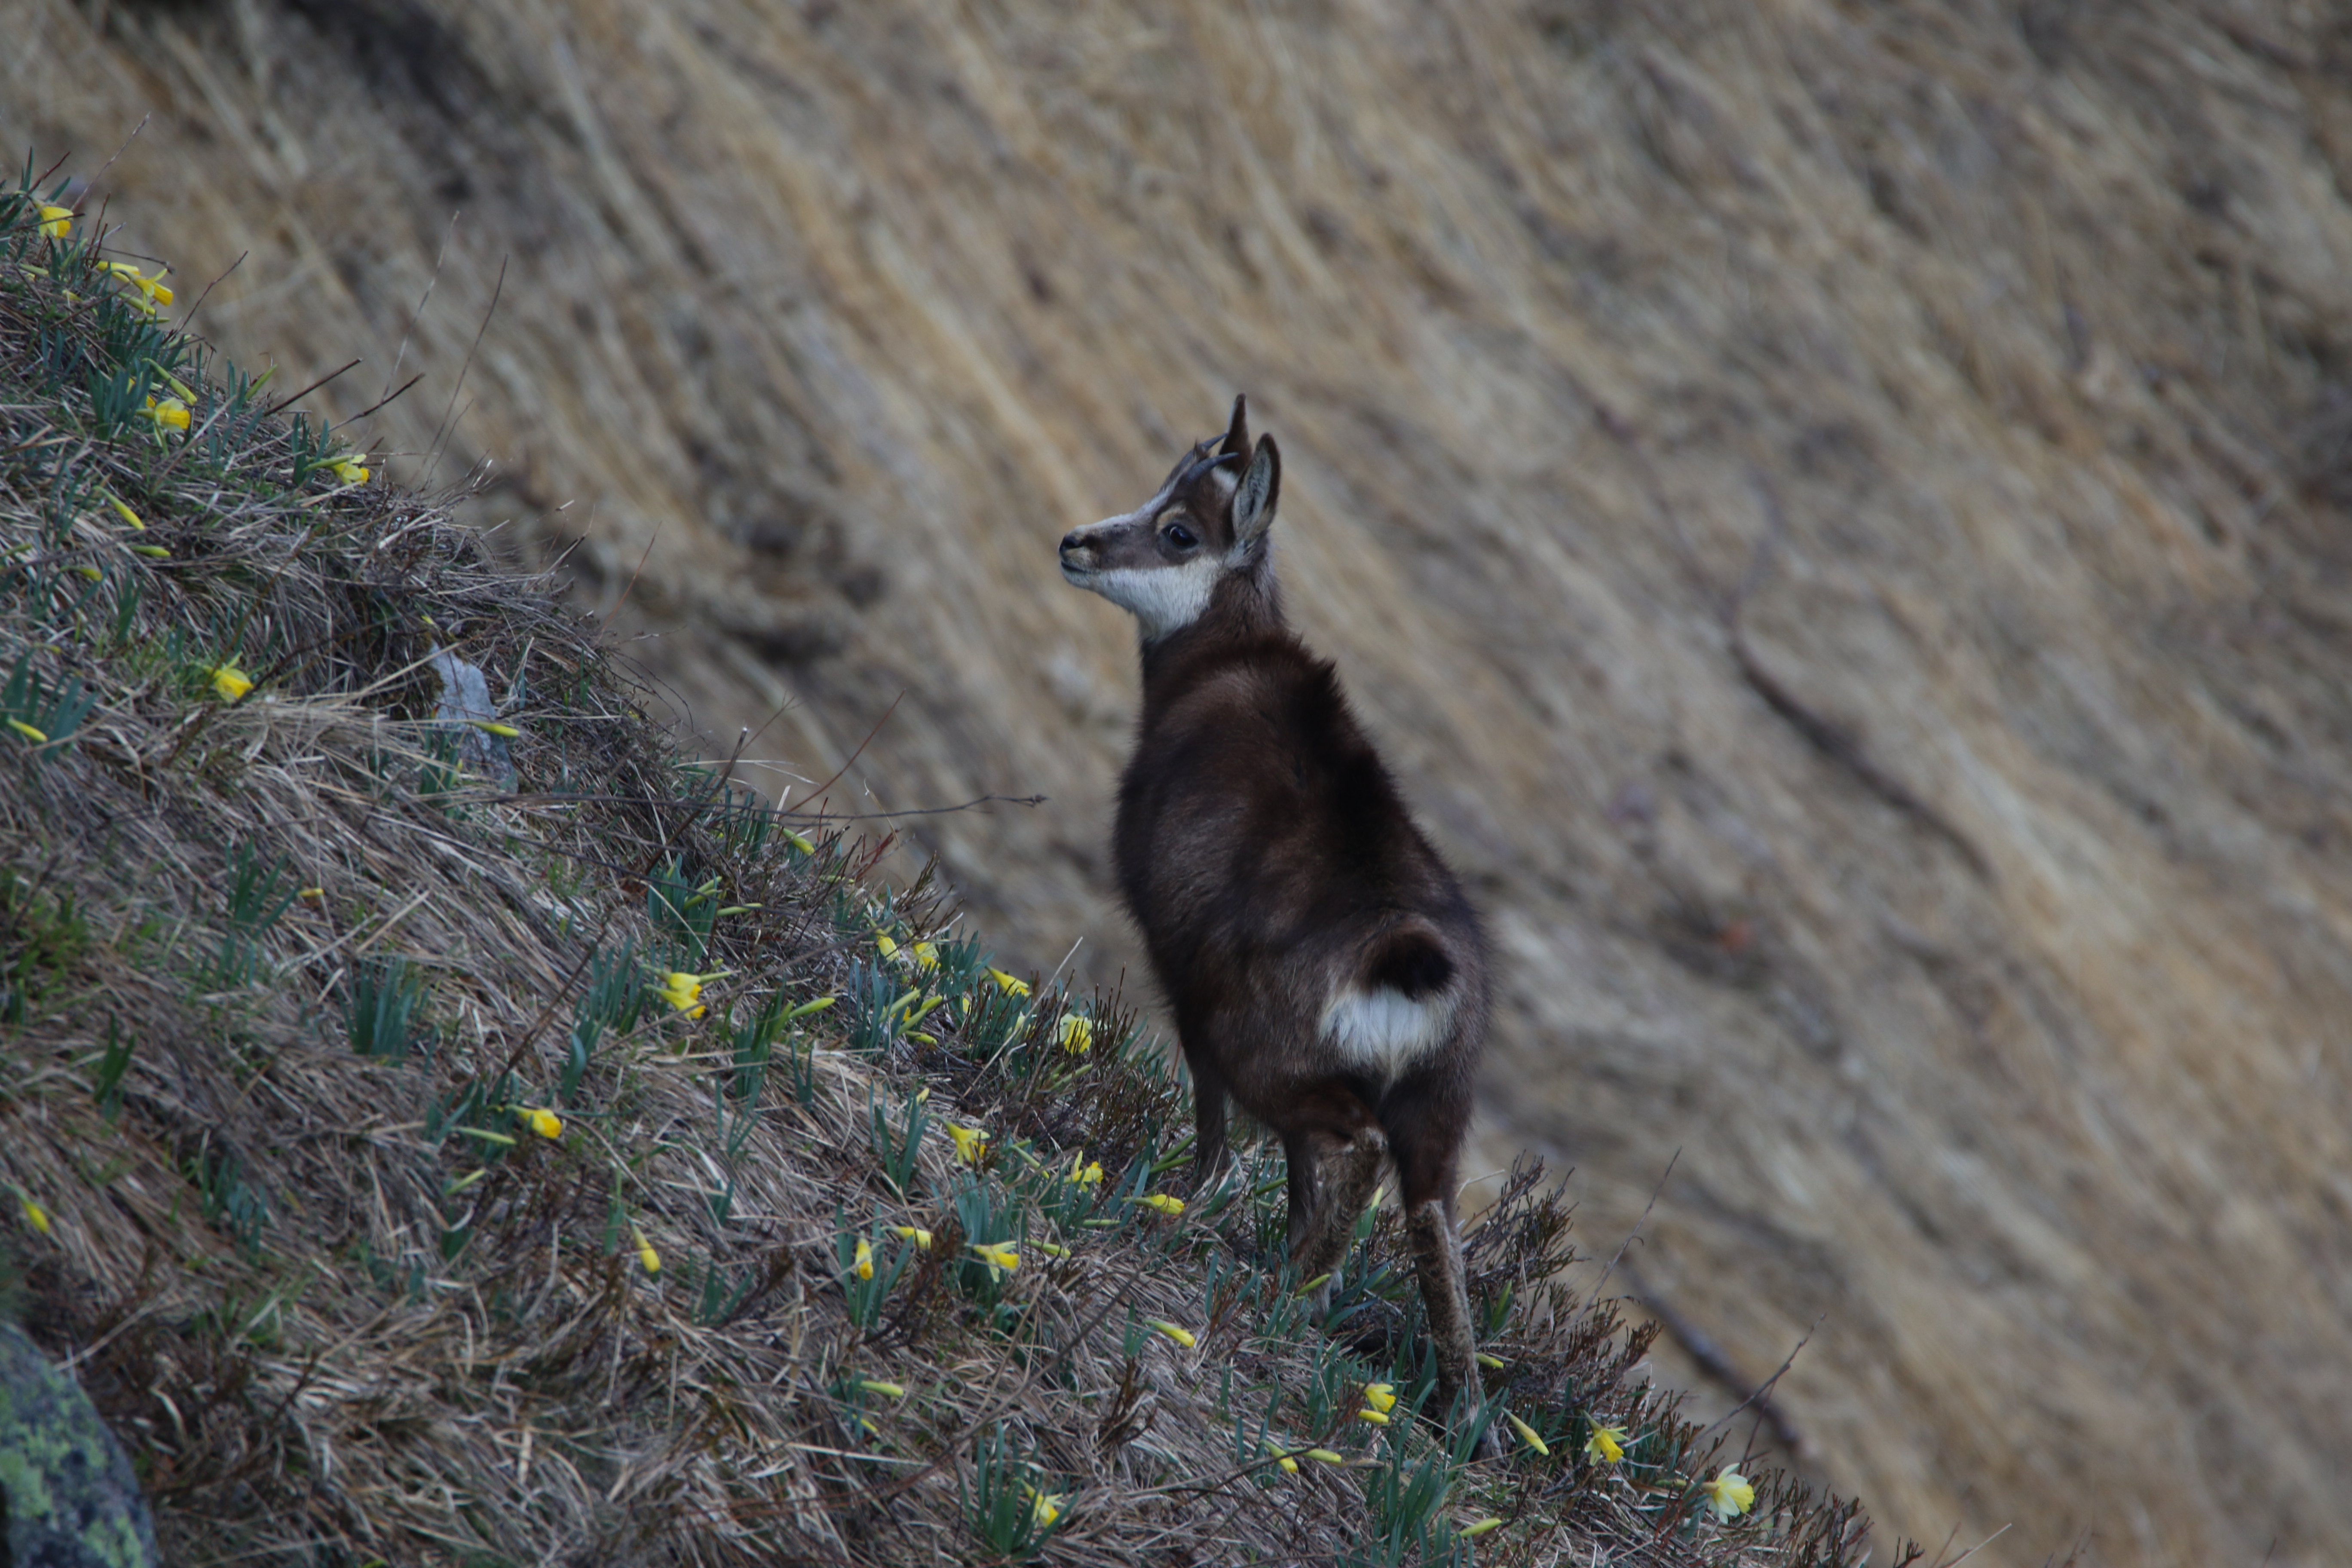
[1837, 510]
[443, 1124]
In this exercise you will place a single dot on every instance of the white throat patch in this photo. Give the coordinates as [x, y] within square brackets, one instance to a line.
[1161, 598]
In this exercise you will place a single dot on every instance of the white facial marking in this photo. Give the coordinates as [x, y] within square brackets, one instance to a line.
[1384, 1031]
[1162, 598]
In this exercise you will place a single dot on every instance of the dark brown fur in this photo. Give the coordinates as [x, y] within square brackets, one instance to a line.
[1270, 862]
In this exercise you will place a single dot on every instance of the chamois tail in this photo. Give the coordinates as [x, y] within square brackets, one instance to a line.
[1395, 1011]
[1410, 960]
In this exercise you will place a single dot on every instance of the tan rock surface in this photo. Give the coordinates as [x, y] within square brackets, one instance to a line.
[1838, 513]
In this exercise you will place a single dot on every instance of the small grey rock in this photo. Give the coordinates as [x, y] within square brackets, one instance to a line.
[465, 705]
[67, 1496]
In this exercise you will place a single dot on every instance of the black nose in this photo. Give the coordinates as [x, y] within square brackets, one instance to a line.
[1070, 541]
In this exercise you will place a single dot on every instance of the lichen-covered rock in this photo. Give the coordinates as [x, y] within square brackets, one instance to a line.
[67, 1498]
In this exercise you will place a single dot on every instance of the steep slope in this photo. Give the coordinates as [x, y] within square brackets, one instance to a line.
[1835, 511]
[439, 1122]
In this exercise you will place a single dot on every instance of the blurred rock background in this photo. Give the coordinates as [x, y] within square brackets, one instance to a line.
[1838, 512]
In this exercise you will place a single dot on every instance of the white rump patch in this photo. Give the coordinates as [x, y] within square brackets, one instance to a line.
[1162, 598]
[1385, 1031]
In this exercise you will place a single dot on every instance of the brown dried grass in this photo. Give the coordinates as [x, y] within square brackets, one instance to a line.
[346, 1309]
[2033, 321]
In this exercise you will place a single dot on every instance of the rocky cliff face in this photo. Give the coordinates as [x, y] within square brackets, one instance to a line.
[1837, 513]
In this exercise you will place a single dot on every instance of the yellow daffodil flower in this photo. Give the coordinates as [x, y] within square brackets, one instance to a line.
[683, 992]
[1006, 983]
[997, 1257]
[1729, 1494]
[647, 1259]
[876, 1385]
[1182, 1336]
[1047, 1506]
[1289, 1465]
[56, 222]
[1161, 1202]
[35, 1216]
[1607, 1444]
[128, 515]
[1085, 1172]
[152, 289]
[1077, 1035]
[971, 1142]
[230, 682]
[168, 412]
[864, 1263]
[35, 736]
[885, 945]
[1380, 1397]
[1528, 1433]
[1377, 1417]
[1472, 1531]
[914, 1233]
[350, 470]
[544, 1121]
[1327, 1455]
[926, 955]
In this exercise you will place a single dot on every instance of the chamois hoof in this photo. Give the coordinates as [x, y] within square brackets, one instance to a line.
[1451, 1410]
[1216, 1180]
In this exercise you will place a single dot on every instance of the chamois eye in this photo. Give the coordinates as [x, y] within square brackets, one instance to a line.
[1182, 537]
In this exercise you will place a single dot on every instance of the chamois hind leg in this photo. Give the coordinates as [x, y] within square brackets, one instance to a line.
[1302, 1165]
[1322, 1227]
[1427, 1132]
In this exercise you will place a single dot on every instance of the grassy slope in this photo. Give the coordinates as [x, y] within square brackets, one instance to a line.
[281, 976]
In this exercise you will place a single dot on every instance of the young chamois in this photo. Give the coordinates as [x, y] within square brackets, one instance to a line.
[1325, 969]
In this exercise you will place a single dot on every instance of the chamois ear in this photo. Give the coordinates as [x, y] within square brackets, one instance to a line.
[1237, 433]
[1254, 496]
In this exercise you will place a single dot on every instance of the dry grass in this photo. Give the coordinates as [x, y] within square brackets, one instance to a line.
[2032, 322]
[283, 976]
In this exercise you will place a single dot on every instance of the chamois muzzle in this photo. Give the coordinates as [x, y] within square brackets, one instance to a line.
[1080, 556]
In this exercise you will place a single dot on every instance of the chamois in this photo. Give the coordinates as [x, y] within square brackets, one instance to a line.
[1325, 969]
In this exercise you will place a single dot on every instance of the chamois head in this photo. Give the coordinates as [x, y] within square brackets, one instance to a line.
[1207, 521]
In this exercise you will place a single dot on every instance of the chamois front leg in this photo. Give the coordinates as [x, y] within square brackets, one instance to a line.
[1209, 1153]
